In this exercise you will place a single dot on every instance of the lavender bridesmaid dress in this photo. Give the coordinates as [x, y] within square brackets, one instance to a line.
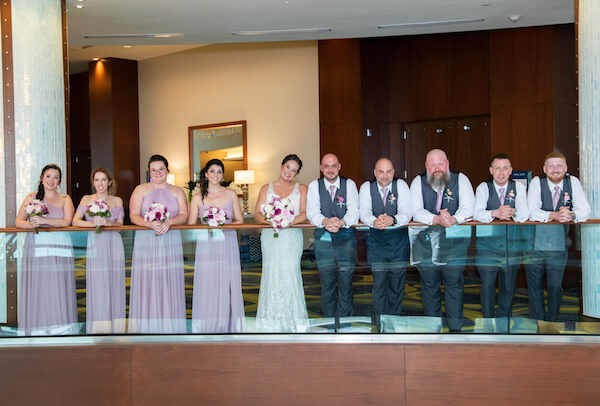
[157, 294]
[105, 279]
[217, 304]
[47, 301]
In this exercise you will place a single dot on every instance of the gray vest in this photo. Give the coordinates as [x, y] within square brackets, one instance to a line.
[494, 200]
[333, 208]
[391, 206]
[566, 195]
[449, 200]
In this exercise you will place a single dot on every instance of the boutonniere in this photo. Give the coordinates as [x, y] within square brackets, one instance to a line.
[511, 196]
[391, 198]
[566, 199]
[339, 200]
[448, 195]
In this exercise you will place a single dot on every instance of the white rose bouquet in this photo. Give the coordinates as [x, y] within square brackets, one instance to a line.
[98, 208]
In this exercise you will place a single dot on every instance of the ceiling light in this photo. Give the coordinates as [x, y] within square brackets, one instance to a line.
[126, 46]
[78, 5]
[514, 17]
[152, 35]
[288, 31]
[96, 58]
[426, 23]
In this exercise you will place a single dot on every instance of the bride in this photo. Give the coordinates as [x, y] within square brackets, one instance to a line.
[281, 304]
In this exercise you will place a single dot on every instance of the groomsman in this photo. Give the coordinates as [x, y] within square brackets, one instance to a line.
[332, 206]
[385, 207]
[500, 198]
[441, 198]
[555, 196]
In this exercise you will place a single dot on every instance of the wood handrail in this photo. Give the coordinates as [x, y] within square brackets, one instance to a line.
[255, 225]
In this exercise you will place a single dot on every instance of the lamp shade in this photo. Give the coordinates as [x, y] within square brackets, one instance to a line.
[243, 177]
[171, 179]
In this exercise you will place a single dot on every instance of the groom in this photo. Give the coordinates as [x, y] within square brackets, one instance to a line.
[332, 207]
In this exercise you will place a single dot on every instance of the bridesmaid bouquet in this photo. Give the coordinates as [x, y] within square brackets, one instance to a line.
[157, 212]
[36, 208]
[214, 216]
[98, 208]
[278, 212]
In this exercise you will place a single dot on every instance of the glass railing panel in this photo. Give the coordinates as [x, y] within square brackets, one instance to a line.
[245, 280]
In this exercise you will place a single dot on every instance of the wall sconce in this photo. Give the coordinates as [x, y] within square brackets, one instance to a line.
[171, 179]
[243, 179]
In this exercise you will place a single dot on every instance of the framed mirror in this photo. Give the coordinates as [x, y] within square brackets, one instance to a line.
[224, 141]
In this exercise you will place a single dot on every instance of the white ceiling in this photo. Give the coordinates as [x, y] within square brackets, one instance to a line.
[212, 21]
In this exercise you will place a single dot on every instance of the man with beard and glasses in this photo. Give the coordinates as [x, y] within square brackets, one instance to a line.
[555, 196]
[385, 208]
[441, 198]
[498, 246]
[332, 207]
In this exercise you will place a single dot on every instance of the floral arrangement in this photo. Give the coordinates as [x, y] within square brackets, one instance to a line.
[511, 195]
[36, 208]
[339, 200]
[566, 199]
[98, 208]
[278, 212]
[214, 216]
[157, 212]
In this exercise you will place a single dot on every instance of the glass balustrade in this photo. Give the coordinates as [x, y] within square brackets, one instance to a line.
[243, 280]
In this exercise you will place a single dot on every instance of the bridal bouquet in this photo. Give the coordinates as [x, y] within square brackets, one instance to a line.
[214, 216]
[278, 212]
[98, 208]
[157, 212]
[36, 208]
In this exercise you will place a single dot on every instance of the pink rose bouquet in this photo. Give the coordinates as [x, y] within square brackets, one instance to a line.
[157, 212]
[36, 208]
[279, 212]
[98, 208]
[214, 216]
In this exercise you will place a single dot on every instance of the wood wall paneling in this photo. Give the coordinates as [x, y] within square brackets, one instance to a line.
[468, 74]
[340, 103]
[101, 113]
[344, 374]
[502, 374]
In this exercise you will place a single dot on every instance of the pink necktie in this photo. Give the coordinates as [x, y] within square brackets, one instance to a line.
[384, 191]
[555, 197]
[332, 191]
[501, 196]
[438, 203]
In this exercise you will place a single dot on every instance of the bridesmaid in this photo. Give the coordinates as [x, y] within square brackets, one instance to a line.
[47, 302]
[105, 260]
[157, 294]
[217, 304]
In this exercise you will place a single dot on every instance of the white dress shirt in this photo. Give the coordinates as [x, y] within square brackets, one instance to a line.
[482, 195]
[466, 200]
[313, 202]
[581, 207]
[404, 211]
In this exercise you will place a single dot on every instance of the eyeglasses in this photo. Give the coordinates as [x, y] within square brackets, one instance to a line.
[158, 170]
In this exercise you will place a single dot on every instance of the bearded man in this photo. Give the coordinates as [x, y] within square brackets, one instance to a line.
[553, 197]
[441, 199]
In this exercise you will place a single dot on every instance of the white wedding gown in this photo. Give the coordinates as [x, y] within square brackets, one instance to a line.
[281, 304]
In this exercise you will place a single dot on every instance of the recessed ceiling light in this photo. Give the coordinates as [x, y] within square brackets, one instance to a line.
[96, 58]
[78, 5]
[126, 46]
[287, 31]
[426, 23]
[152, 35]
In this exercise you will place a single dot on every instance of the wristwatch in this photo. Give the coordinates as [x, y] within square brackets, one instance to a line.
[394, 222]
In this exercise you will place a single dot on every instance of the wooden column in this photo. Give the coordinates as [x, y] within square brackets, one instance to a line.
[114, 121]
